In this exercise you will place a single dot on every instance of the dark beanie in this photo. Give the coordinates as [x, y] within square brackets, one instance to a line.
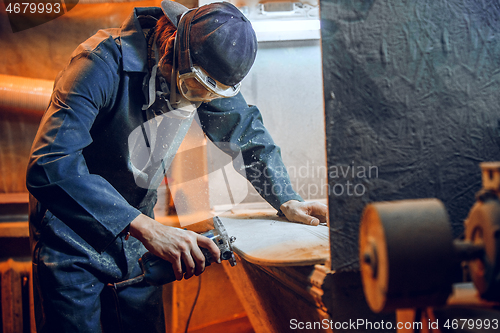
[222, 41]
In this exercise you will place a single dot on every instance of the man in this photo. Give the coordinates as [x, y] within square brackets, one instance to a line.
[91, 191]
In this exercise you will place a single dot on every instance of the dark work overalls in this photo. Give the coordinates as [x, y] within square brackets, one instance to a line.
[84, 194]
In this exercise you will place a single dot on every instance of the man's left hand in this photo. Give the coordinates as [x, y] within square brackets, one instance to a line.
[312, 213]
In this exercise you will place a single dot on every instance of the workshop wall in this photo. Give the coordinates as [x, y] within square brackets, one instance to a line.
[285, 83]
[411, 99]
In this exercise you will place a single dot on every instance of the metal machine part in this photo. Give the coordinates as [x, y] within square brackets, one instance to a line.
[157, 271]
[405, 250]
[482, 229]
[223, 241]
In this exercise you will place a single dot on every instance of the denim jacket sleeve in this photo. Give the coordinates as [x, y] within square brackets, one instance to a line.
[231, 120]
[58, 176]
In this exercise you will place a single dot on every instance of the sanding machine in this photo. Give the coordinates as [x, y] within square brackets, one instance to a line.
[408, 255]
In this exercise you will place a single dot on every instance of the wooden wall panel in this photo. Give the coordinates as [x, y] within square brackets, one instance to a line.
[17, 131]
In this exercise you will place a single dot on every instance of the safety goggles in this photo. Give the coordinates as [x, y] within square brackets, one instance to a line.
[197, 85]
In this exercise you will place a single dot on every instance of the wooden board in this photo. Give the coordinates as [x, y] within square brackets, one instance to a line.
[273, 241]
[14, 230]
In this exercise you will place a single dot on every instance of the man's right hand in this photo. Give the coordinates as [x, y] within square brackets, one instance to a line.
[174, 245]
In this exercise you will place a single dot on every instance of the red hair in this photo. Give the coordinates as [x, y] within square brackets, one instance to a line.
[164, 30]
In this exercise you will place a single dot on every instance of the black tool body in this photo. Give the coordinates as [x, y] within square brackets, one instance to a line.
[157, 271]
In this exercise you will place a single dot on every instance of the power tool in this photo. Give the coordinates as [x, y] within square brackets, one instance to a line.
[157, 271]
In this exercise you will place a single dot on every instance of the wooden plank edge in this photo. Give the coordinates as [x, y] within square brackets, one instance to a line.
[14, 229]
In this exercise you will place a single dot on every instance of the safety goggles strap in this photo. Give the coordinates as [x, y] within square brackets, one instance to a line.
[183, 53]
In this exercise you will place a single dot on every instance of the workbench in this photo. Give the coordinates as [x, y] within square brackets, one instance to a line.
[281, 282]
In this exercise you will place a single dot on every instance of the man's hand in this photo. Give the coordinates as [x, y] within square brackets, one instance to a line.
[312, 213]
[174, 245]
